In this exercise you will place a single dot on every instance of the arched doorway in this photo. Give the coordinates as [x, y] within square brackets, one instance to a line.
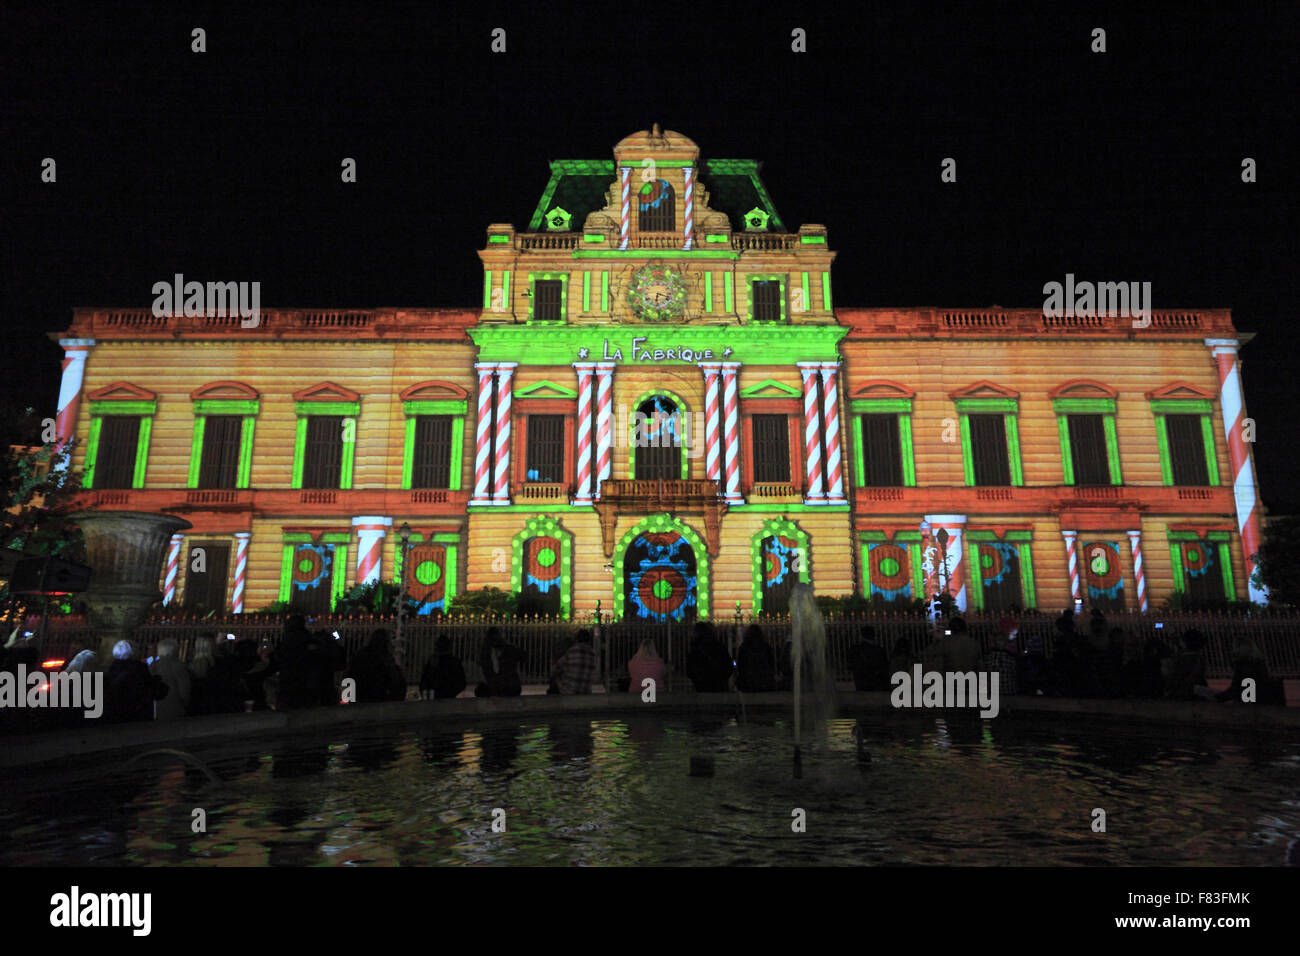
[782, 562]
[657, 438]
[541, 589]
[660, 582]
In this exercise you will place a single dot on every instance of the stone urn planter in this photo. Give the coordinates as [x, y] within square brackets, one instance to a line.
[126, 551]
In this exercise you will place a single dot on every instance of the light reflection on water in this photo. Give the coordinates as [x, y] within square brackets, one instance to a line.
[578, 791]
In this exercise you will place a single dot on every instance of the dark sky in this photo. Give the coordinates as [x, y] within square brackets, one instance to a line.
[225, 165]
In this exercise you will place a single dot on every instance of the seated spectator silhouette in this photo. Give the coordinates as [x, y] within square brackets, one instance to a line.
[1248, 664]
[129, 687]
[708, 665]
[755, 665]
[378, 676]
[646, 662]
[869, 663]
[575, 671]
[443, 676]
[173, 672]
[500, 664]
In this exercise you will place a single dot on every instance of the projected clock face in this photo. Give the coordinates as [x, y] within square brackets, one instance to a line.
[657, 293]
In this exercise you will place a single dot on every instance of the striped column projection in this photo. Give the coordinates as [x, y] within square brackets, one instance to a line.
[505, 372]
[585, 371]
[1072, 562]
[623, 229]
[1135, 544]
[604, 422]
[75, 353]
[954, 568]
[831, 415]
[1232, 399]
[483, 435]
[370, 543]
[173, 566]
[712, 424]
[731, 431]
[241, 570]
[812, 434]
[928, 545]
[688, 227]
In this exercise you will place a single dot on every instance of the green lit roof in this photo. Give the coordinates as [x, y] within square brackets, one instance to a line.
[580, 186]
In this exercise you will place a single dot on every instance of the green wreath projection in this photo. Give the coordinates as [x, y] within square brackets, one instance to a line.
[657, 292]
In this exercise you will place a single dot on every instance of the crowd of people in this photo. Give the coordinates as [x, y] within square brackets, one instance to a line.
[1096, 661]
[311, 669]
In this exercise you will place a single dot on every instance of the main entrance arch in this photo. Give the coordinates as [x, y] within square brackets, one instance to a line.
[661, 572]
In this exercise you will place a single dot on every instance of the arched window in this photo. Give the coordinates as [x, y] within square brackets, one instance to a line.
[656, 207]
[657, 438]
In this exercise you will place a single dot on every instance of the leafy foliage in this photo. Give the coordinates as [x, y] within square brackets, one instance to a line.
[484, 602]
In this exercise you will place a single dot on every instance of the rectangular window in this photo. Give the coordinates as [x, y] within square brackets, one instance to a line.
[205, 590]
[1088, 450]
[545, 448]
[767, 300]
[771, 448]
[432, 465]
[119, 438]
[219, 465]
[882, 457]
[1202, 573]
[1186, 449]
[988, 441]
[548, 300]
[323, 453]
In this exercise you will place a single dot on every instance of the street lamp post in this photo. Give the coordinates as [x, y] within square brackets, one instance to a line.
[404, 536]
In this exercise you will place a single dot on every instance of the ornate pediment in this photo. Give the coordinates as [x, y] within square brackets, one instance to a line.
[326, 392]
[433, 391]
[984, 389]
[121, 392]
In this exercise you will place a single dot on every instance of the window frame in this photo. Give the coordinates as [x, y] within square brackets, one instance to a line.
[248, 409]
[782, 280]
[900, 406]
[902, 537]
[339, 540]
[1023, 541]
[1222, 540]
[304, 409]
[533, 279]
[144, 409]
[1105, 407]
[1009, 409]
[413, 408]
[1201, 407]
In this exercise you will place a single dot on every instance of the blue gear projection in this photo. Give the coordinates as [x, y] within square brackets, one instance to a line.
[1197, 558]
[779, 560]
[317, 559]
[662, 427]
[1006, 554]
[1112, 570]
[664, 585]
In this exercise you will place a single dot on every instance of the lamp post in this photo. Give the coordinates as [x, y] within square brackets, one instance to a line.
[404, 536]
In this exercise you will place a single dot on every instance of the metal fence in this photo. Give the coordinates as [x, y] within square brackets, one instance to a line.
[543, 641]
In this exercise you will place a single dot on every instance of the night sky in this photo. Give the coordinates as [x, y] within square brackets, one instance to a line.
[225, 165]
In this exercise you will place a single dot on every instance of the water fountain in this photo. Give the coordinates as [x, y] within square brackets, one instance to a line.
[814, 698]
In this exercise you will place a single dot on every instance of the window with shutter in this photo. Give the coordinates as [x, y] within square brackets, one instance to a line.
[219, 465]
[119, 438]
[1088, 450]
[771, 448]
[548, 300]
[545, 448]
[1186, 449]
[323, 453]
[988, 440]
[206, 590]
[767, 301]
[881, 452]
[432, 465]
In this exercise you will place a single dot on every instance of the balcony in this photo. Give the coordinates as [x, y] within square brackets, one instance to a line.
[542, 493]
[1045, 499]
[532, 241]
[649, 495]
[764, 242]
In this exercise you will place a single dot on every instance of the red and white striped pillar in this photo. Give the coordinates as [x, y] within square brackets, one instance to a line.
[812, 434]
[731, 430]
[954, 567]
[712, 423]
[626, 172]
[688, 227]
[505, 372]
[1135, 545]
[241, 570]
[831, 416]
[75, 353]
[585, 372]
[173, 568]
[483, 435]
[1232, 399]
[370, 544]
[604, 422]
[1072, 562]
